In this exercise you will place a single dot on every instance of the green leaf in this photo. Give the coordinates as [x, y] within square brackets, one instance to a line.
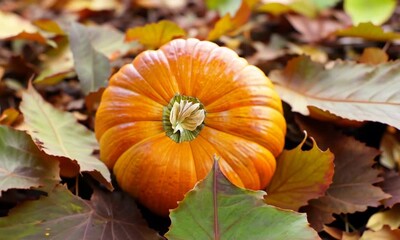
[361, 92]
[373, 11]
[324, 4]
[300, 176]
[57, 133]
[368, 31]
[224, 6]
[216, 209]
[22, 165]
[91, 66]
[58, 63]
[62, 215]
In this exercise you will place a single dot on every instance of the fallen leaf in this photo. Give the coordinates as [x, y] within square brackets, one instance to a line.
[390, 147]
[22, 165]
[368, 31]
[389, 218]
[354, 91]
[229, 24]
[383, 234]
[300, 176]
[277, 7]
[373, 11]
[154, 35]
[56, 64]
[49, 25]
[92, 67]
[353, 186]
[162, 4]
[373, 56]
[59, 134]
[391, 185]
[314, 29]
[9, 116]
[340, 234]
[15, 27]
[63, 215]
[224, 6]
[223, 26]
[216, 209]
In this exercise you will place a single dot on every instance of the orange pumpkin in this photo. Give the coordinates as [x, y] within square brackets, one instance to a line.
[164, 116]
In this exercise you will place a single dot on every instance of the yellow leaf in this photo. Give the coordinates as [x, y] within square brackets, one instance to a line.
[15, 27]
[368, 31]
[390, 218]
[228, 24]
[223, 26]
[154, 35]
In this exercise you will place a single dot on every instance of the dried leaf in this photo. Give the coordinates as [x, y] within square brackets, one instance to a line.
[224, 6]
[15, 27]
[300, 176]
[373, 11]
[383, 234]
[62, 215]
[22, 165]
[391, 185]
[373, 56]
[389, 218]
[91, 66]
[354, 91]
[314, 29]
[216, 209]
[57, 133]
[390, 147]
[353, 182]
[9, 116]
[154, 35]
[368, 31]
[228, 24]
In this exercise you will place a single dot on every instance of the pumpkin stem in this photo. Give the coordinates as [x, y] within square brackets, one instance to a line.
[183, 118]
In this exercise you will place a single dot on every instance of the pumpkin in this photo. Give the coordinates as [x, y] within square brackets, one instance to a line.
[164, 116]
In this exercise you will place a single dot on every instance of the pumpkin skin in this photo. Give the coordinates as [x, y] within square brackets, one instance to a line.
[243, 124]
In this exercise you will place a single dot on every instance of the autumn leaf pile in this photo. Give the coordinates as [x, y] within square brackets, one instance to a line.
[334, 64]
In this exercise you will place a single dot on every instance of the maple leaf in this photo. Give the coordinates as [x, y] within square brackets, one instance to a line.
[352, 188]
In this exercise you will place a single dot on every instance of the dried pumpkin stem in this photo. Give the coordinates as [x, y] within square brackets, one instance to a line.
[183, 118]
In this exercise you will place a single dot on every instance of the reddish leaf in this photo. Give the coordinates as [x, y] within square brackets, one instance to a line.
[300, 176]
[352, 188]
[391, 185]
[22, 165]
[62, 215]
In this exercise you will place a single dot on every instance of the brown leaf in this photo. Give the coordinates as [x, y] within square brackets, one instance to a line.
[361, 92]
[314, 30]
[373, 56]
[352, 188]
[391, 185]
